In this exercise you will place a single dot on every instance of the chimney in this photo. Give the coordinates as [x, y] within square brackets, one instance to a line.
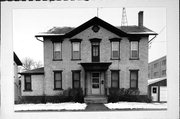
[140, 18]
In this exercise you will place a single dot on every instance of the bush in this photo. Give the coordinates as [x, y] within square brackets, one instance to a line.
[74, 95]
[130, 95]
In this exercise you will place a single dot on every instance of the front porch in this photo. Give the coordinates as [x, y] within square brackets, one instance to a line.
[96, 81]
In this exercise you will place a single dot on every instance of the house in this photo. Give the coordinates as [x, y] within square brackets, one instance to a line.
[17, 84]
[157, 82]
[95, 56]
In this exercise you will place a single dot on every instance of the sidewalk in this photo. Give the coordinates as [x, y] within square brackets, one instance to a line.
[96, 107]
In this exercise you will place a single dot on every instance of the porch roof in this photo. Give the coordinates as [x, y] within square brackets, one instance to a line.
[95, 66]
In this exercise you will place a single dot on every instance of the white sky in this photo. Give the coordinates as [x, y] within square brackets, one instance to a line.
[29, 22]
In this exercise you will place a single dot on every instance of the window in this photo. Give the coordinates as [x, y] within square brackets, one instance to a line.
[155, 74]
[57, 53]
[134, 79]
[27, 83]
[115, 50]
[76, 79]
[163, 72]
[115, 79]
[57, 80]
[155, 65]
[134, 50]
[75, 50]
[164, 62]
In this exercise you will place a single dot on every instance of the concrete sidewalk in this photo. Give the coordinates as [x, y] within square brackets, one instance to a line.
[96, 107]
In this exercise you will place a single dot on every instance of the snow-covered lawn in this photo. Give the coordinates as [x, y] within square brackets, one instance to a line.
[50, 106]
[136, 105]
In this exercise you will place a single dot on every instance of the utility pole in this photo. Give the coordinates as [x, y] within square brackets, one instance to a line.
[124, 21]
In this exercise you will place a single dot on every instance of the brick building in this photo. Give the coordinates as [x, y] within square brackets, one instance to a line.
[94, 56]
[157, 68]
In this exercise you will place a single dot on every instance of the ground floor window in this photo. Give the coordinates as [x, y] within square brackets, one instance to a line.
[27, 83]
[134, 79]
[57, 80]
[115, 78]
[76, 79]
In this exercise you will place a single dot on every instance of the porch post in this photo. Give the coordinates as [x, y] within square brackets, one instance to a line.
[85, 87]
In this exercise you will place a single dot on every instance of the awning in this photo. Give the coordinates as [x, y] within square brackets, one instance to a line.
[95, 66]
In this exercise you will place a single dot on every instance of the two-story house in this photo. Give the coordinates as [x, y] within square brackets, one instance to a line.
[94, 56]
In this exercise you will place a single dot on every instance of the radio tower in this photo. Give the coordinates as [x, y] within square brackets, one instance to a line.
[124, 21]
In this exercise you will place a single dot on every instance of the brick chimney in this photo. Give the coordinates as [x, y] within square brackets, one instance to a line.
[140, 18]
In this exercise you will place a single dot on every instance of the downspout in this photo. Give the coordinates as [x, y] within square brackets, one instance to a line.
[152, 39]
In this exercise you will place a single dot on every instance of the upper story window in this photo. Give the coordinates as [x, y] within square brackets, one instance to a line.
[156, 74]
[163, 72]
[155, 65]
[57, 51]
[134, 50]
[134, 79]
[115, 48]
[76, 50]
[27, 83]
[164, 62]
[57, 80]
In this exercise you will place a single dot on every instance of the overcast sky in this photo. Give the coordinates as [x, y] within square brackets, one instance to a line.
[29, 22]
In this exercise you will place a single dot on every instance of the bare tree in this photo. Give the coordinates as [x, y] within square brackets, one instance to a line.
[29, 64]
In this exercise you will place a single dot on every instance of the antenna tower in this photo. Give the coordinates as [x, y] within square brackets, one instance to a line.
[124, 21]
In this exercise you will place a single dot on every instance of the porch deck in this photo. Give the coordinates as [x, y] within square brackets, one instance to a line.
[95, 99]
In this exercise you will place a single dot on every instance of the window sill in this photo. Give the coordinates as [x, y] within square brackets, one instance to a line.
[133, 58]
[27, 90]
[75, 59]
[115, 59]
[57, 59]
[58, 89]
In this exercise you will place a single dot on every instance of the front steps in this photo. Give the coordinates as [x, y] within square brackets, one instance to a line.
[95, 99]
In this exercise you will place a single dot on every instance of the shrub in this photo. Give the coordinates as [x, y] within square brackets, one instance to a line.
[76, 95]
[130, 95]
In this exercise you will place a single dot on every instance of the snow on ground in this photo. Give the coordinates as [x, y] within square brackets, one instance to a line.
[50, 106]
[136, 105]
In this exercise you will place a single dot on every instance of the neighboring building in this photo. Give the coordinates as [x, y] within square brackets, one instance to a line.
[94, 56]
[17, 84]
[157, 82]
[157, 68]
[158, 89]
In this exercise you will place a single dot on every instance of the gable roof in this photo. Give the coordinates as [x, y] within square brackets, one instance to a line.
[16, 59]
[151, 81]
[120, 31]
[34, 71]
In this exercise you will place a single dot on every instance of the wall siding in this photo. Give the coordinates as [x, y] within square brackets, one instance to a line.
[36, 83]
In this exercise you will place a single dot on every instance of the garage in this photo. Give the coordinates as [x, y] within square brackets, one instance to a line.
[157, 89]
[163, 93]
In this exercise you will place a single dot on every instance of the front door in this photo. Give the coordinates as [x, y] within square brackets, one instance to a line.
[95, 52]
[95, 83]
[154, 93]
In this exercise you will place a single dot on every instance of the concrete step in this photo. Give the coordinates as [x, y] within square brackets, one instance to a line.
[95, 99]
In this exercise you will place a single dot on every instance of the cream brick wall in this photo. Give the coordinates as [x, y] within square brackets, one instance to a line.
[124, 64]
[36, 83]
